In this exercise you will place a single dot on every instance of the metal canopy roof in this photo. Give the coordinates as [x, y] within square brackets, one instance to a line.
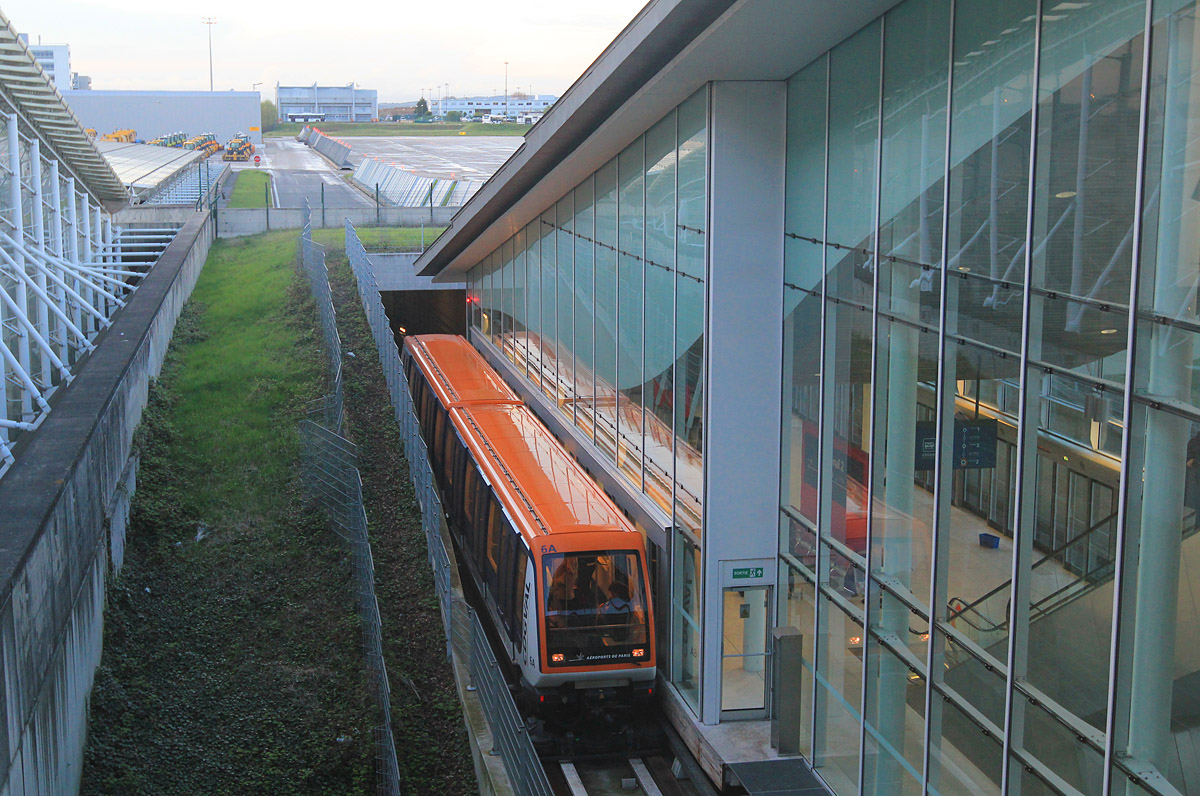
[48, 117]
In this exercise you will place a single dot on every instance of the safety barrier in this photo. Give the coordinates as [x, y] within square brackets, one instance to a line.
[330, 473]
[337, 151]
[403, 188]
[464, 633]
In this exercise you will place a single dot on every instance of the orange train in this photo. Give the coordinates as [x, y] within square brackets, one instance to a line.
[562, 572]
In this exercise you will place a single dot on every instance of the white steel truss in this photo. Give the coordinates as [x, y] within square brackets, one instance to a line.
[65, 269]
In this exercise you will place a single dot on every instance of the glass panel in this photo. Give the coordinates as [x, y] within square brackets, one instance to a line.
[519, 298]
[992, 64]
[689, 312]
[964, 760]
[606, 309]
[910, 232]
[853, 148]
[743, 650]
[533, 270]
[659, 340]
[1158, 675]
[631, 203]
[804, 222]
[839, 677]
[585, 307]
[685, 622]
[549, 336]
[566, 303]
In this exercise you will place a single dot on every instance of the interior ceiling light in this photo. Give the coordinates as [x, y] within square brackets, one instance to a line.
[1108, 331]
[1064, 195]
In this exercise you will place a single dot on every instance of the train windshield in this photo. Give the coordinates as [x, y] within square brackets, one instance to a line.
[595, 607]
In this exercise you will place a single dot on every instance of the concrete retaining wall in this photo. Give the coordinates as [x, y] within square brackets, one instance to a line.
[65, 503]
[234, 222]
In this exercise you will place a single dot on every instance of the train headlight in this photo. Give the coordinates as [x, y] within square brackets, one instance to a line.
[639, 653]
[557, 657]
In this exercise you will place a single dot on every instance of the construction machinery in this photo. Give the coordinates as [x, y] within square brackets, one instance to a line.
[205, 143]
[238, 148]
[124, 136]
[171, 139]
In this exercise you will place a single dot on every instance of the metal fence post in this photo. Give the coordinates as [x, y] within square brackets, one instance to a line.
[377, 214]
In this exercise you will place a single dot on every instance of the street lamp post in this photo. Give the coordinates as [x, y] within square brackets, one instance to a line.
[210, 21]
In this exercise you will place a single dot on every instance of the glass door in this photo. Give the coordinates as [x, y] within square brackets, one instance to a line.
[744, 652]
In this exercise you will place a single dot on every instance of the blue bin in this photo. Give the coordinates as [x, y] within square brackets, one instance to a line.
[989, 540]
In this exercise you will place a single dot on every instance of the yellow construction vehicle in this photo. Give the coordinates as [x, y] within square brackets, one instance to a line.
[124, 136]
[238, 148]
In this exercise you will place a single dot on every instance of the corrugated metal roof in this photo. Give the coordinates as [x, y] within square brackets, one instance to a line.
[143, 167]
[36, 99]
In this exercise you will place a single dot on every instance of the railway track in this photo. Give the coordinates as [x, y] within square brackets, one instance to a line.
[632, 776]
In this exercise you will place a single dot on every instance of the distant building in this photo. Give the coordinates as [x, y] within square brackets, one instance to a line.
[55, 60]
[80, 82]
[338, 103]
[514, 106]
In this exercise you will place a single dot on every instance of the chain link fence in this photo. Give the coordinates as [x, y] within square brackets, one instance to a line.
[465, 635]
[328, 463]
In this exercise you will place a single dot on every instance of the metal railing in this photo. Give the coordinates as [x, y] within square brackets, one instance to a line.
[328, 463]
[464, 633]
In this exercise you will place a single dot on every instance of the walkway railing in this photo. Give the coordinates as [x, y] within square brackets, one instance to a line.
[464, 633]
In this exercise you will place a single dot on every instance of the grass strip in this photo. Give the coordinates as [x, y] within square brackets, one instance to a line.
[431, 740]
[251, 189]
[232, 662]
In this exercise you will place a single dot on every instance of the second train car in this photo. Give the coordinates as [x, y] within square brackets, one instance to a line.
[560, 569]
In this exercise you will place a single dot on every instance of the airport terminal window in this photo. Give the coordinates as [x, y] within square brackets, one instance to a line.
[609, 316]
[885, 238]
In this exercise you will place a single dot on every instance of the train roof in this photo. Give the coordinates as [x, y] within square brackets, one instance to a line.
[531, 471]
[460, 374]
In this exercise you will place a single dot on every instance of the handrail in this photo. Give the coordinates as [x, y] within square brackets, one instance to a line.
[1008, 583]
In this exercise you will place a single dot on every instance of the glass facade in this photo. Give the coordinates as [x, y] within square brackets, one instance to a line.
[990, 473]
[600, 303]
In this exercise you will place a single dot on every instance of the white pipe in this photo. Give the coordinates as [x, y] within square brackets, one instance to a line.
[82, 274]
[81, 304]
[43, 342]
[73, 241]
[23, 356]
[39, 241]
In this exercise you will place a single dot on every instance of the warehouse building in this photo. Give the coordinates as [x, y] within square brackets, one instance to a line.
[155, 113]
[511, 106]
[346, 103]
[880, 318]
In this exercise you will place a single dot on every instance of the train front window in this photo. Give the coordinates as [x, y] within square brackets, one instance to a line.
[595, 606]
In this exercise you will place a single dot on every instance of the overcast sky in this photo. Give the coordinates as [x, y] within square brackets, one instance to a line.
[398, 47]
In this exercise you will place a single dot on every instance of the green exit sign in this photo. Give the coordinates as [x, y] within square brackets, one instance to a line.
[744, 573]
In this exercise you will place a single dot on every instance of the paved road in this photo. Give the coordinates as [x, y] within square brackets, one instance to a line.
[298, 173]
[464, 157]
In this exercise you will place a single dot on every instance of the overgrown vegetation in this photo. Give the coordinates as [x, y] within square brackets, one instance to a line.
[232, 662]
[350, 129]
[251, 189]
[430, 735]
[379, 239]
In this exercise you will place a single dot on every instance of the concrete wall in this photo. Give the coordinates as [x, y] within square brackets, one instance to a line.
[232, 223]
[155, 113]
[65, 506]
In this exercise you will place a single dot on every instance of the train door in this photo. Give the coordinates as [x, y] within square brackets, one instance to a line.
[745, 651]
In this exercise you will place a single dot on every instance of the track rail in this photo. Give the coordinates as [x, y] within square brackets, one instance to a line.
[637, 776]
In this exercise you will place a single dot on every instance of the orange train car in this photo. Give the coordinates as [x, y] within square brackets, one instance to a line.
[562, 572]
